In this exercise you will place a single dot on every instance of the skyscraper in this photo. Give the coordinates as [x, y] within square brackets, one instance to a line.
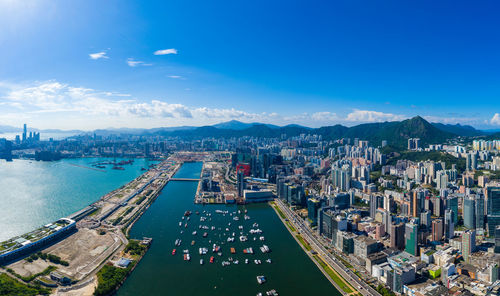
[468, 244]
[411, 238]
[493, 209]
[452, 204]
[397, 232]
[469, 212]
[449, 225]
[437, 230]
[25, 132]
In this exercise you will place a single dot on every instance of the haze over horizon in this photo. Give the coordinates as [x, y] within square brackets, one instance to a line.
[143, 65]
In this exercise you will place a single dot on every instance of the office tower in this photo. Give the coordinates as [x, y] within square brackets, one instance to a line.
[313, 205]
[411, 238]
[397, 233]
[449, 225]
[240, 182]
[473, 161]
[493, 209]
[25, 133]
[469, 212]
[497, 239]
[452, 204]
[468, 244]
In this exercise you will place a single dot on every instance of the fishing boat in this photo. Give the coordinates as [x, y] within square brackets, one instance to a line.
[233, 251]
[173, 251]
[212, 259]
[192, 243]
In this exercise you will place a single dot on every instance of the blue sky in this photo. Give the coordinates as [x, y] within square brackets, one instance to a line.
[92, 64]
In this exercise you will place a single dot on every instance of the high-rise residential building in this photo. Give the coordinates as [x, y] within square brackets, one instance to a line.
[437, 230]
[493, 208]
[479, 213]
[341, 178]
[411, 238]
[425, 219]
[374, 201]
[468, 244]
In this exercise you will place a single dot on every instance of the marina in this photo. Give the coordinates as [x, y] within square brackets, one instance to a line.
[288, 271]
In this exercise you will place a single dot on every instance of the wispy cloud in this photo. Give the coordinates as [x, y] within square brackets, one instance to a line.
[98, 55]
[372, 116]
[166, 51]
[175, 77]
[495, 120]
[133, 63]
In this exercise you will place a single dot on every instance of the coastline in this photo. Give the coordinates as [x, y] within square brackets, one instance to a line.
[153, 181]
[302, 243]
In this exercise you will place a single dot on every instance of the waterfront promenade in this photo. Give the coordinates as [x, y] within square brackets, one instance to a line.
[329, 258]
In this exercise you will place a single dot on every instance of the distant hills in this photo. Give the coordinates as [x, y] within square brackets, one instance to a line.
[395, 132]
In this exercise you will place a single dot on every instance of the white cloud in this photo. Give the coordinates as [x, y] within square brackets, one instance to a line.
[133, 63]
[175, 77]
[98, 55]
[166, 51]
[324, 116]
[372, 116]
[495, 119]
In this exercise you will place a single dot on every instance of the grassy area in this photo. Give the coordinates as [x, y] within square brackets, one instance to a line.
[11, 287]
[109, 279]
[28, 279]
[304, 243]
[282, 215]
[333, 275]
[290, 226]
[347, 264]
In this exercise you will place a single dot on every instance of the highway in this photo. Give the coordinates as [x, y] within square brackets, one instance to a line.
[346, 273]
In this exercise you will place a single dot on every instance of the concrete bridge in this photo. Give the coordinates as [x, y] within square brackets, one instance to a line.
[184, 179]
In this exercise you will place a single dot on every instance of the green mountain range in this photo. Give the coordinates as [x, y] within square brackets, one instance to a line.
[396, 133]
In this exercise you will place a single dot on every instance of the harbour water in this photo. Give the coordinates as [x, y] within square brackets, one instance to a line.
[35, 193]
[161, 273]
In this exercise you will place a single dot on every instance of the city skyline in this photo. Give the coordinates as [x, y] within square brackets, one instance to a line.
[173, 64]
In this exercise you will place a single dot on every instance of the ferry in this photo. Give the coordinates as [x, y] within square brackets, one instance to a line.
[261, 279]
[212, 259]
[173, 251]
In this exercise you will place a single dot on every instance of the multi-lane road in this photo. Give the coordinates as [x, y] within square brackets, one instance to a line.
[346, 273]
